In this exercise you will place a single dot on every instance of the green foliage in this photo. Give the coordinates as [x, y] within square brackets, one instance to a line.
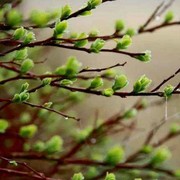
[124, 43]
[83, 42]
[96, 82]
[168, 90]
[159, 156]
[14, 163]
[47, 104]
[72, 67]
[40, 18]
[175, 128]
[120, 82]
[13, 17]
[4, 124]
[131, 32]
[65, 11]
[144, 58]
[81, 135]
[21, 54]
[108, 92]
[53, 145]
[26, 65]
[110, 176]
[131, 113]
[66, 82]
[93, 33]
[19, 33]
[119, 25]
[169, 17]
[28, 131]
[39, 146]
[21, 97]
[60, 28]
[93, 4]
[29, 37]
[147, 149]
[141, 84]
[97, 45]
[78, 176]
[46, 81]
[115, 155]
[177, 174]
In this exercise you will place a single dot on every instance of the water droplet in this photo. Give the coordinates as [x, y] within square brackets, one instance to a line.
[157, 18]
[93, 140]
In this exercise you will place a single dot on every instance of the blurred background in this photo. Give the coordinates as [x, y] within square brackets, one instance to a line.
[164, 44]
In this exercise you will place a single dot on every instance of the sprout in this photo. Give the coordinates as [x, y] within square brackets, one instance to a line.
[96, 82]
[65, 12]
[120, 82]
[168, 90]
[97, 45]
[26, 66]
[110, 176]
[124, 43]
[83, 42]
[93, 4]
[29, 37]
[115, 155]
[108, 92]
[78, 176]
[19, 33]
[169, 17]
[3, 125]
[13, 17]
[60, 28]
[119, 25]
[141, 84]
[146, 57]
[21, 54]
[28, 131]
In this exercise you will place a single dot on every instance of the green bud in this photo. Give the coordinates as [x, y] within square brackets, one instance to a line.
[13, 18]
[147, 149]
[78, 176]
[159, 156]
[130, 113]
[65, 11]
[169, 17]
[110, 73]
[16, 98]
[25, 117]
[168, 90]
[24, 87]
[54, 145]
[97, 45]
[29, 37]
[93, 3]
[60, 28]
[21, 54]
[120, 82]
[131, 32]
[19, 33]
[60, 70]
[115, 155]
[81, 135]
[94, 33]
[66, 82]
[28, 131]
[39, 146]
[46, 81]
[174, 128]
[72, 66]
[86, 13]
[91, 173]
[39, 18]
[47, 104]
[81, 43]
[14, 163]
[24, 96]
[3, 125]
[73, 35]
[177, 174]
[146, 57]
[110, 176]
[26, 65]
[108, 92]
[96, 82]
[26, 147]
[119, 25]
[124, 43]
[141, 84]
